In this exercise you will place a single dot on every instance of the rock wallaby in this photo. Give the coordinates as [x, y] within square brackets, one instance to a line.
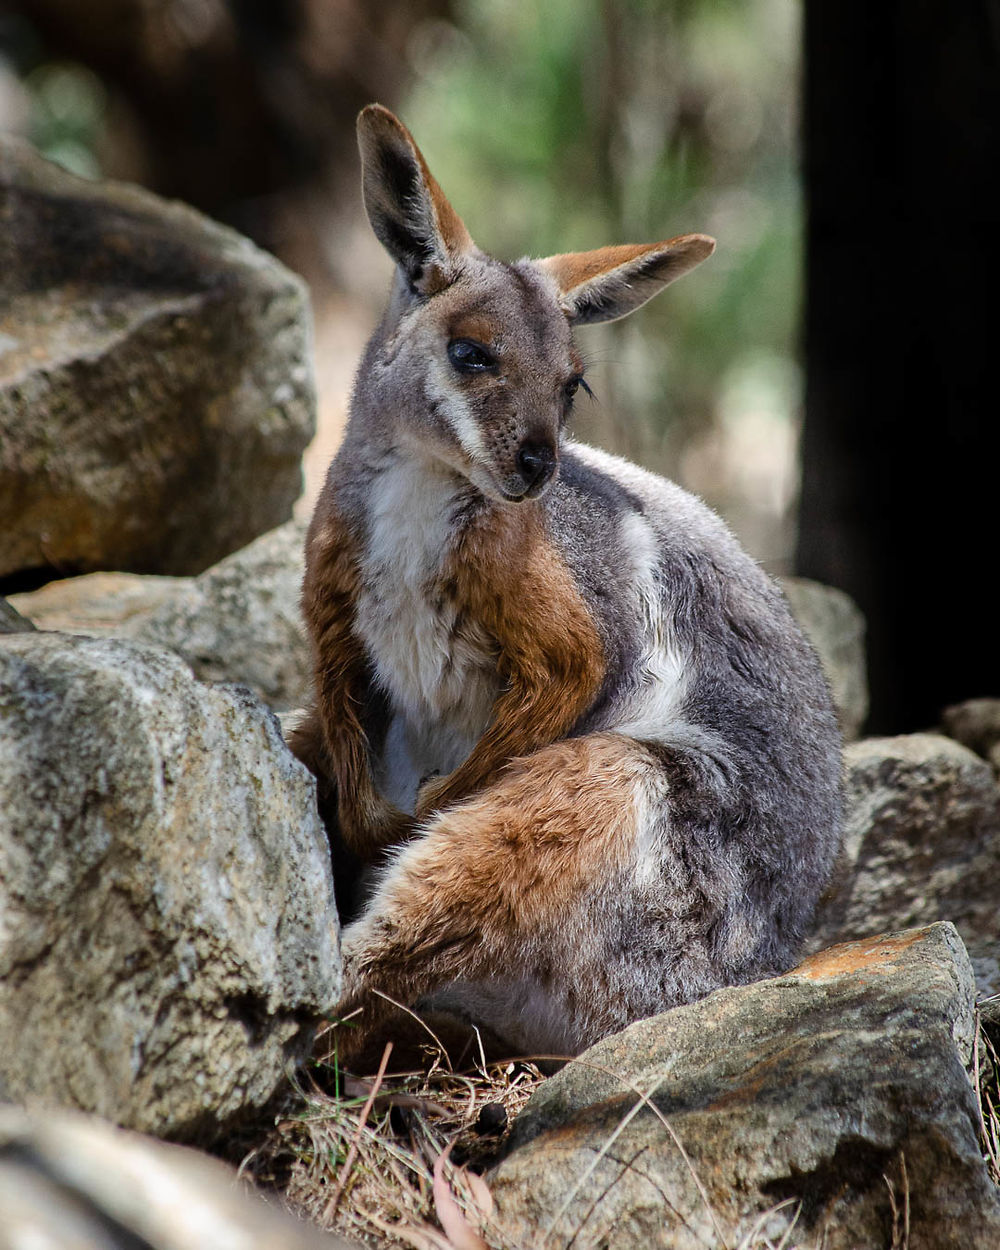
[565, 730]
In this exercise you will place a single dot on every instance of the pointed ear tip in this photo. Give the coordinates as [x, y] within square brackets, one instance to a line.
[700, 245]
[376, 117]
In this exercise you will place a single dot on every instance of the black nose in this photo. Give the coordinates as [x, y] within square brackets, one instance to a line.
[535, 463]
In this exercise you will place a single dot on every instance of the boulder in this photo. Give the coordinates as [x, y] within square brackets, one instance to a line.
[976, 724]
[156, 390]
[921, 843]
[812, 1106]
[168, 935]
[238, 621]
[833, 623]
[73, 1181]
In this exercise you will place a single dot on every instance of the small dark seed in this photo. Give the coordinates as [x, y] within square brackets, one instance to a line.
[492, 1120]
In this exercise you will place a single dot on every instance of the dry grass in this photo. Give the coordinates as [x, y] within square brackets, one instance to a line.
[397, 1161]
[987, 1082]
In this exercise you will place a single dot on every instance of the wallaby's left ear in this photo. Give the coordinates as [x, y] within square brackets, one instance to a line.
[614, 281]
[409, 212]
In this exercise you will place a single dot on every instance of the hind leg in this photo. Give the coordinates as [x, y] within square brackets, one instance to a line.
[521, 884]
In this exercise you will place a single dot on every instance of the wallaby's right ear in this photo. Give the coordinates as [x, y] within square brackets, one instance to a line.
[408, 211]
[614, 281]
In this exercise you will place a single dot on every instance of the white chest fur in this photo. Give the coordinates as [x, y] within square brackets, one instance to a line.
[437, 666]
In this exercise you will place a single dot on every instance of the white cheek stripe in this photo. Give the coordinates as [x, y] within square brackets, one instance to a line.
[456, 412]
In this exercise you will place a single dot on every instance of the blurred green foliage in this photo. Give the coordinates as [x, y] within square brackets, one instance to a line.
[574, 123]
[570, 124]
[67, 105]
[60, 106]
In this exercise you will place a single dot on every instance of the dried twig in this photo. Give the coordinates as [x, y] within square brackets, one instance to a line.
[900, 1215]
[352, 1153]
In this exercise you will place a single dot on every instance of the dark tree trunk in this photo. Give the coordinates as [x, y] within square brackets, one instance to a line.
[901, 476]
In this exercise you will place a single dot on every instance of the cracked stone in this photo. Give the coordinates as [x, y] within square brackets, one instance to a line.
[168, 934]
[804, 1105]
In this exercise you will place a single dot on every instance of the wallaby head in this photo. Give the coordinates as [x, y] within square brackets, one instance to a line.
[474, 365]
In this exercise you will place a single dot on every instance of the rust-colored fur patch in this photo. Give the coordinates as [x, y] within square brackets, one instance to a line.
[481, 329]
[573, 269]
[490, 885]
[508, 575]
[367, 822]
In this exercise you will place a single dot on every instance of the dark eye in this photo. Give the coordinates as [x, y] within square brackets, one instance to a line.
[573, 385]
[469, 356]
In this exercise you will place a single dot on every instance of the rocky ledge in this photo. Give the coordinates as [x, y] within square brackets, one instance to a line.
[829, 1107]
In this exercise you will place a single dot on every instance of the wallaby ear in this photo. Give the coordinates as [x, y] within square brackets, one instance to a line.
[408, 211]
[614, 281]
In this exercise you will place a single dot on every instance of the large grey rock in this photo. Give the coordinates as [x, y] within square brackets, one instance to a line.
[921, 843]
[168, 935]
[238, 621]
[833, 623]
[73, 1182]
[156, 391]
[815, 1089]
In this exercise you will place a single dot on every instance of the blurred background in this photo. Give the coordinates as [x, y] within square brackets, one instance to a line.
[845, 425]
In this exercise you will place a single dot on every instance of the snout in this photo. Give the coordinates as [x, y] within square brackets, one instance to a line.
[524, 467]
[536, 463]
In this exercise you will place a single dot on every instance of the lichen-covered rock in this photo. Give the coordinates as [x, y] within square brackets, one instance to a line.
[156, 390]
[833, 623]
[238, 621]
[921, 843]
[241, 620]
[73, 1182]
[803, 1106]
[168, 935]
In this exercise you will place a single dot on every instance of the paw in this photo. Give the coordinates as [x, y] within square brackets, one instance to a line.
[355, 941]
[379, 826]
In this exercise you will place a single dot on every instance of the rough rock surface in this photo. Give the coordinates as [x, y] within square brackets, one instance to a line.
[104, 605]
[73, 1182]
[238, 621]
[921, 843]
[156, 390]
[167, 925]
[835, 626]
[836, 1090]
[976, 724]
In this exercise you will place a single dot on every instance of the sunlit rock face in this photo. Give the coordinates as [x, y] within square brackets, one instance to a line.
[69, 1180]
[822, 1107]
[238, 621]
[156, 388]
[168, 935]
